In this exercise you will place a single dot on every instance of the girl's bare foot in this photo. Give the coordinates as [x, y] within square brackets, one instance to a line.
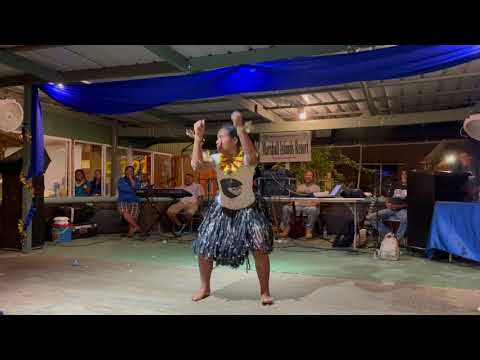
[201, 294]
[266, 299]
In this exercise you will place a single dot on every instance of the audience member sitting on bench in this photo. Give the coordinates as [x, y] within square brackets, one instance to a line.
[308, 208]
[189, 205]
[81, 184]
[96, 184]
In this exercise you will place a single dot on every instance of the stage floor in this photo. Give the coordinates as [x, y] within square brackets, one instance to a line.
[122, 276]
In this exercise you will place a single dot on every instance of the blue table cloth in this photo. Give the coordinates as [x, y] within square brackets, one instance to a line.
[455, 229]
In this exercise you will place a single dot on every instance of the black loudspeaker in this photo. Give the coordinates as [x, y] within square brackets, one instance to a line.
[423, 190]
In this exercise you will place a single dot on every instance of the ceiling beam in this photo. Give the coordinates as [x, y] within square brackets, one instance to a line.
[170, 55]
[377, 98]
[108, 73]
[16, 80]
[400, 82]
[266, 54]
[277, 94]
[256, 109]
[326, 124]
[23, 48]
[368, 97]
[371, 84]
[30, 67]
[325, 103]
[327, 115]
[123, 71]
[166, 117]
[153, 132]
[367, 121]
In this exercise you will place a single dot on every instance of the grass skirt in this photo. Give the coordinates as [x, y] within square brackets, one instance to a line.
[227, 236]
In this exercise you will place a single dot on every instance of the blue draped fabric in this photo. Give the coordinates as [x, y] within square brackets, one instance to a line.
[123, 97]
[37, 161]
[455, 229]
[28, 219]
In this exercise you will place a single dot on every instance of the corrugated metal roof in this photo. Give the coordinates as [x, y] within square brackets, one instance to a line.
[79, 57]
[449, 88]
[206, 50]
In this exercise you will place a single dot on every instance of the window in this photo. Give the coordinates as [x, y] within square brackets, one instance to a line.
[162, 165]
[88, 157]
[122, 160]
[108, 172]
[56, 176]
[142, 163]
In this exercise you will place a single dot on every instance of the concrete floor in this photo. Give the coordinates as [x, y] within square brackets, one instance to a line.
[121, 276]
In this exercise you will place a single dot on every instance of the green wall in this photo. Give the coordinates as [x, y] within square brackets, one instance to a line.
[75, 126]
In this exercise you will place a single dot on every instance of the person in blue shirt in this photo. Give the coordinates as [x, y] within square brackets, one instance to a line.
[96, 184]
[81, 184]
[128, 201]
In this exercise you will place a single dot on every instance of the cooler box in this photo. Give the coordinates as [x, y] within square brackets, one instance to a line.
[61, 230]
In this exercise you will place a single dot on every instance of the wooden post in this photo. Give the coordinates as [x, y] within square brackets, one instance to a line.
[115, 168]
[360, 167]
[38, 224]
[27, 144]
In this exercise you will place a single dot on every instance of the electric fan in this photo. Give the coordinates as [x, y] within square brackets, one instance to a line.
[11, 115]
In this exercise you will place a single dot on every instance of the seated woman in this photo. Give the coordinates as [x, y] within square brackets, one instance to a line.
[81, 184]
[128, 201]
[96, 184]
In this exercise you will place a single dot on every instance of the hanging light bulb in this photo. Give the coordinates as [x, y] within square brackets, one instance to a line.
[302, 114]
[450, 158]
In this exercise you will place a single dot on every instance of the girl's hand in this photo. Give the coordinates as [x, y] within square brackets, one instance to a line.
[199, 128]
[237, 119]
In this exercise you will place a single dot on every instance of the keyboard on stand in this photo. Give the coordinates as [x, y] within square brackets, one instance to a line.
[162, 192]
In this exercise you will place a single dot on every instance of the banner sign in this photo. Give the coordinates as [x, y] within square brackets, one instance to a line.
[285, 147]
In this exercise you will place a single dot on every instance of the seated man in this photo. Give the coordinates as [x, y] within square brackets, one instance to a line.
[188, 204]
[308, 208]
[396, 210]
[145, 181]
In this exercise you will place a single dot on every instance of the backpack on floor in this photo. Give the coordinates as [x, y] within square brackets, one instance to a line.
[389, 249]
[345, 238]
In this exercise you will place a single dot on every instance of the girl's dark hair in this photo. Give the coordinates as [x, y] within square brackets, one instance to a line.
[126, 168]
[232, 132]
[81, 172]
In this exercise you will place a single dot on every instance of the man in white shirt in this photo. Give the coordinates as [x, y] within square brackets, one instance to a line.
[308, 208]
[189, 205]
